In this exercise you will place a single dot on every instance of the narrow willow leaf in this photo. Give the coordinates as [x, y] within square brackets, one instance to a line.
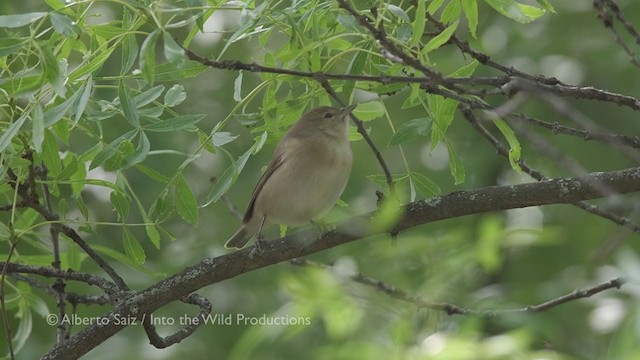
[148, 56]
[129, 53]
[172, 51]
[174, 124]
[470, 8]
[128, 106]
[50, 154]
[185, 201]
[52, 71]
[355, 67]
[37, 136]
[223, 184]
[455, 165]
[140, 153]
[515, 150]
[418, 23]
[440, 39]
[84, 99]
[425, 186]
[120, 204]
[63, 24]
[411, 130]
[10, 133]
[14, 21]
[148, 96]
[10, 45]
[237, 87]
[132, 247]
[153, 234]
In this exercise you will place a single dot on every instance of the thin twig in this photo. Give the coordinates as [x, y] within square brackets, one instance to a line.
[62, 331]
[451, 309]
[502, 150]
[363, 131]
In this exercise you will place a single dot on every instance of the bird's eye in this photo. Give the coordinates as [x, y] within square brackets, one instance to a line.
[328, 115]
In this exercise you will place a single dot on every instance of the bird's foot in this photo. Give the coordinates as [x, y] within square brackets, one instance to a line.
[258, 248]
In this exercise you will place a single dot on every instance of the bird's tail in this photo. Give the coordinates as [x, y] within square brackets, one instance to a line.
[240, 238]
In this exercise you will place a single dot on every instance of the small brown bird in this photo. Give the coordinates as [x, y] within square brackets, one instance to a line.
[307, 174]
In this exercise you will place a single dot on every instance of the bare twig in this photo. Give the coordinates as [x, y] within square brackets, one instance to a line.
[163, 342]
[361, 129]
[451, 309]
[502, 150]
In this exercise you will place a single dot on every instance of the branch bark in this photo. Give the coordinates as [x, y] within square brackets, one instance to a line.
[213, 270]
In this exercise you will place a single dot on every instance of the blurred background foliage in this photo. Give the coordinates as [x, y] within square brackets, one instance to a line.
[155, 204]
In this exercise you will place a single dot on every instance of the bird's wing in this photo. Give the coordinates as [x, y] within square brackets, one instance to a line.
[275, 163]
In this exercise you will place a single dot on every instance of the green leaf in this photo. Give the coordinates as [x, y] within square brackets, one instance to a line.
[443, 110]
[10, 133]
[54, 114]
[451, 12]
[425, 186]
[120, 204]
[63, 25]
[222, 138]
[148, 96]
[186, 204]
[129, 53]
[128, 106]
[355, 67]
[547, 6]
[52, 71]
[466, 70]
[172, 51]
[399, 12]
[237, 87]
[168, 71]
[50, 155]
[418, 23]
[84, 99]
[381, 180]
[13, 21]
[92, 65]
[175, 96]
[434, 6]
[132, 247]
[111, 149]
[440, 39]
[148, 56]
[519, 12]
[515, 149]
[227, 179]
[122, 258]
[153, 234]
[411, 130]
[20, 85]
[369, 110]
[174, 124]
[10, 45]
[455, 165]
[470, 8]
[140, 153]
[154, 174]
[37, 136]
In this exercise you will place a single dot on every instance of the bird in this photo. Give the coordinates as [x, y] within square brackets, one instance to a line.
[307, 174]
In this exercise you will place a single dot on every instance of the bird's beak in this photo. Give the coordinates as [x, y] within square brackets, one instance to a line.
[347, 109]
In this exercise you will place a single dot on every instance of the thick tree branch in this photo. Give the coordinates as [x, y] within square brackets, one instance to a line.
[213, 270]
